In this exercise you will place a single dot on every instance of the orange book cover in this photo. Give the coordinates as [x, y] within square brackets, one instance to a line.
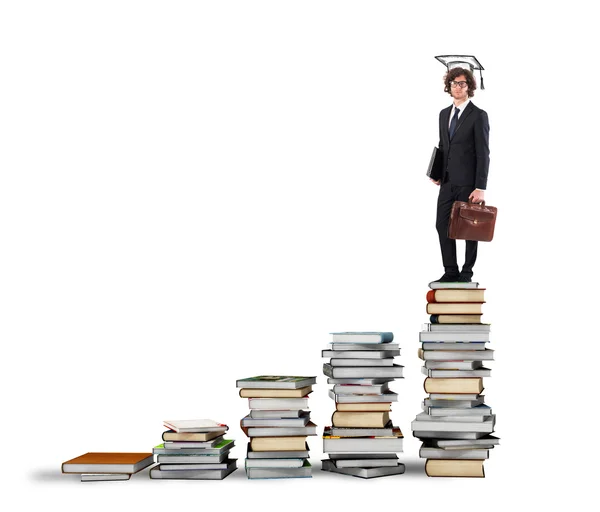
[99, 462]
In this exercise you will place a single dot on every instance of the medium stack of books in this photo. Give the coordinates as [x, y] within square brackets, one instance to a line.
[277, 425]
[455, 425]
[362, 440]
[193, 450]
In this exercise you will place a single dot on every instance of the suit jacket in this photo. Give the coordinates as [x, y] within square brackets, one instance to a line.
[466, 157]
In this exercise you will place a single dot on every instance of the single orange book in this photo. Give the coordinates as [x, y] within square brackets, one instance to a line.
[108, 462]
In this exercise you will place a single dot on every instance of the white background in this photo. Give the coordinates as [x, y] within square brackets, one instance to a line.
[197, 192]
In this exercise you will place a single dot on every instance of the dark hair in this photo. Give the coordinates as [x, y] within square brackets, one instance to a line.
[455, 72]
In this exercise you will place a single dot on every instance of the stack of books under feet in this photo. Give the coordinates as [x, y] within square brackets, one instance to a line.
[277, 425]
[362, 440]
[193, 450]
[455, 424]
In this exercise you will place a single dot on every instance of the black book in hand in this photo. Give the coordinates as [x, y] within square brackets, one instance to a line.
[435, 170]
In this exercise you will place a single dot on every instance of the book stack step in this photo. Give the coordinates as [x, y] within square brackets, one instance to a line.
[455, 424]
[362, 440]
[107, 466]
[194, 450]
[277, 425]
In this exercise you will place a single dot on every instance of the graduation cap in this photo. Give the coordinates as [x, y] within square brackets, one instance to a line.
[462, 61]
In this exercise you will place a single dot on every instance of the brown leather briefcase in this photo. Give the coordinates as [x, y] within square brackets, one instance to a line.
[471, 221]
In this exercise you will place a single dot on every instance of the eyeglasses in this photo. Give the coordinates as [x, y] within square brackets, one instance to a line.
[462, 85]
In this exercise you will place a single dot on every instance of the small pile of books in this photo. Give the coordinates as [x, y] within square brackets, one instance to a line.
[362, 440]
[277, 425]
[193, 450]
[455, 425]
[107, 466]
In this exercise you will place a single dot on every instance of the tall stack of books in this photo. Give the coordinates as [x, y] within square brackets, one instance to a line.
[455, 425]
[362, 440]
[277, 425]
[193, 450]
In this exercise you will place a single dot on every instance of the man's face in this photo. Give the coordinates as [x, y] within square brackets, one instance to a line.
[459, 88]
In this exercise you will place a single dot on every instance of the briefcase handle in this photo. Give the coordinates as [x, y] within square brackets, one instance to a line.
[481, 204]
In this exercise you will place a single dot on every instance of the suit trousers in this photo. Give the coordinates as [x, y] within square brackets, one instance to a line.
[448, 194]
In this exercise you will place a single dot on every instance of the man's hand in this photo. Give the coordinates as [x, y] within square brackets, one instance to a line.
[477, 196]
[436, 182]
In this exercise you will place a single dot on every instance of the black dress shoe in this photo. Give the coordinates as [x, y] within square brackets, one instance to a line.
[464, 278]
[449, 278]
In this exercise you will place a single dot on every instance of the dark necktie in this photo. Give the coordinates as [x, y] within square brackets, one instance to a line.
[454, 122]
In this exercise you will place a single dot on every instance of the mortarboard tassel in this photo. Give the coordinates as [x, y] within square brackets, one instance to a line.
[481, 79]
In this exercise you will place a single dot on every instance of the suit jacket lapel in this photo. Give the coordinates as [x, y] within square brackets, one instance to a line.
[465, 114]
[445, 121]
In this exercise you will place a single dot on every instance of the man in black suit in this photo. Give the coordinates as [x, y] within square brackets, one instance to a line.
[464, 142]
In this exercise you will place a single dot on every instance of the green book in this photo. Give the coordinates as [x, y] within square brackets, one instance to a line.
[222, 447]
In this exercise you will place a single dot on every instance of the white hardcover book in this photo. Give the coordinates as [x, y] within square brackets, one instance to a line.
[191, 459]
[455, 327]
[362, 346]
[104, 477]
[454, 336]
[366, 463]
[359, 381]
[179, 467]
[458, 404]
[354, 363]
[274, 463]
[480, 410]
[450, 374]
[363, 459]
[248, 421]
[456, 443]
[436, 285]
[388, 396]
[173, 445]
[455, 418]
[424, 423]
[360, 354]
[426, 452]
[436, 435]
[281, 413]
[309, 430]
[362, 337]
[453, 365]
[388, 431]
[340, 372]
[202, 425]
[278, 403]
[453, 345]
[356, 389]
[451, 355]
[362, 444]
[455, 396]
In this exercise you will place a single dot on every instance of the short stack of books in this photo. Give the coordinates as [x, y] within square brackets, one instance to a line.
[362, 440]
[107, 466]
[277, 425]
[455, 425]
[193, 450]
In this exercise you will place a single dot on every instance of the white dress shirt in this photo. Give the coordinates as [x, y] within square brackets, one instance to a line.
[461, 109]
